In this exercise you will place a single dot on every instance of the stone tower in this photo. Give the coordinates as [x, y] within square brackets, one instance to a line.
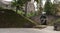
[32, 1]
[30, 7]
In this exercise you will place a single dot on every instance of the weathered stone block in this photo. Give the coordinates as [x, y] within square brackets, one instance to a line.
[57, 26]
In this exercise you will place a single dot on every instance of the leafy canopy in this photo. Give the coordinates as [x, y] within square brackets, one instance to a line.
[19, 2]
[48, 8]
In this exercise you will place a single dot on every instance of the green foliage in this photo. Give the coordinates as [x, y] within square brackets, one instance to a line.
[53, 9]
[19, 4]
[36, 0]
[30, 14]
[48, 8]
[20, 12]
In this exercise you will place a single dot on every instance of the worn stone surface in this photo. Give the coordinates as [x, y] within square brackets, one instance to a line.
[48, 29]
[57, 26]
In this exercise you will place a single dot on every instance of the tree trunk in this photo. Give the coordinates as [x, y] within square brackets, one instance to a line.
[26, 8]
[16, 10]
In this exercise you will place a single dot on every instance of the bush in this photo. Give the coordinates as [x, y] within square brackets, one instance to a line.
[30, 14]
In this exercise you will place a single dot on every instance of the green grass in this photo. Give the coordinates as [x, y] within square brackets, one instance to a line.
[10, 19]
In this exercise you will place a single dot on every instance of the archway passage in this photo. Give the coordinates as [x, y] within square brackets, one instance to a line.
[43, 20]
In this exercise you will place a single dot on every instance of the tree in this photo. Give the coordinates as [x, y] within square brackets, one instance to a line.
[56, 9]
[48, 7]
[18, 4]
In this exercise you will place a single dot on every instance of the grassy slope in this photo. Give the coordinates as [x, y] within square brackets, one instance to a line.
[11, 19]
